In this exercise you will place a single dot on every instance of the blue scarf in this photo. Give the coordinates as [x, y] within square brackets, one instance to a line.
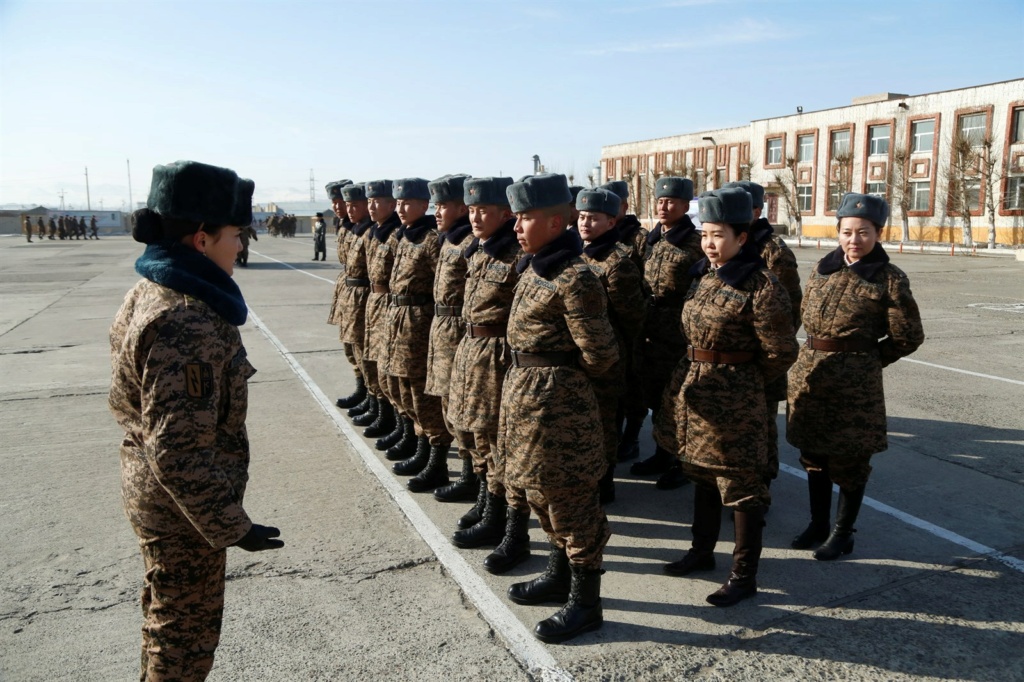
[189, 272]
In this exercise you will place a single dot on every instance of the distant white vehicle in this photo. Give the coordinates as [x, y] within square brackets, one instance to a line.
[694, 213]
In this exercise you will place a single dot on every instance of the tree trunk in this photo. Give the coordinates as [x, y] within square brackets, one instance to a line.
[968, 238]
[905, 228]
[991, 233]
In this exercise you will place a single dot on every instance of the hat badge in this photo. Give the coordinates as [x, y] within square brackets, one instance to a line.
[585, 200]
[472, 191]
[860, 204]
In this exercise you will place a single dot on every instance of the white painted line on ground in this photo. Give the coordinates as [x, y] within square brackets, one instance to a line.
[531, 653]
[937, 531]
[289, 265]
[963, 371]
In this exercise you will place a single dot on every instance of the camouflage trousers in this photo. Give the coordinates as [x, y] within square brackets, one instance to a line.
[848, 472]
[740, 489]
[354, 359]
[631, 403]
[182, 606]
[772, 435]
[574, 520]
[481, 447]
[391, 389]
[462, 445]
[608, 394]
[425, 410]
[371, 378]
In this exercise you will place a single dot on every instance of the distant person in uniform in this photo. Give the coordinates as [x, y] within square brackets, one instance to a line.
[319, 238]
[93, 229]
[27, 227]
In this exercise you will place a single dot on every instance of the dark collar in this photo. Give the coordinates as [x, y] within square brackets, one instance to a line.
[601, 246]
[359, 228]
[188, 272]
[761, 231]
[675, 236]
[736, 271]
[456, 233]
[545, 262]
[866, 268]
[493, 247]
[628, 227]
[383, 230]
[415, 232]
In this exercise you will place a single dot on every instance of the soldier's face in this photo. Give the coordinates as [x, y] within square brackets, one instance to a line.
[411, 210]
[858, 237]
[448, 213]
[380, 208]
[339, 207]
[671, 210]
[592, 224]
[357, 210]
[536, 229]
[486, 219]
[720, 242]
[221, 248]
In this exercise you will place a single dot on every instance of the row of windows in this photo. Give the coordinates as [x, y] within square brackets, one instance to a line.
[921, 194]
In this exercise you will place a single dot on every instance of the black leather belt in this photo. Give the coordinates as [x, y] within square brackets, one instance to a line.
[447, 310]
[559, 358]
[357, 282]
[841, 345]
[491, 331]
[403, 300]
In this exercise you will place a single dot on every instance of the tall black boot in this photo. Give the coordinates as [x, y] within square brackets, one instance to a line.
[746, 556]
[606, 485]
[673, 478]
[416, 463]
[384, 422]
[491, 528]
[435, 474]
[707, 523]
[514, 548]
[629, 442]
[550, 586]
[355, 398]
[466, 488]
[658, 463]
[582, 613]
[369, 415]
[819, 489]
[476, 512]
[386, 441]
[840, 540]
[405, 447]
[361, 407]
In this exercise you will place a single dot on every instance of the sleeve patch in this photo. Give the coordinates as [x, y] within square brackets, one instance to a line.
[198, 379]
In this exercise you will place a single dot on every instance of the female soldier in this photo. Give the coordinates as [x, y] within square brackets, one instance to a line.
[836, 403]
[740, 329]
[179, 391]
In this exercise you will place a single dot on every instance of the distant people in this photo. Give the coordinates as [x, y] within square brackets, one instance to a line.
[62, 228]
[94, 232]
[41, 227]
[28, 229]
[244, 235]
[53, 228]
[319, 238]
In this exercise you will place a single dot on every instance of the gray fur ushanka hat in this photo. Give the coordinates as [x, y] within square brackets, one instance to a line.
[356, 192]
[410, 188]
[378, 188]
[486, 191]
[675, 187]
[755, 191]
[731, 206]
[868, 206]
[334, 189]
[447, 188]
[539, 191]
[201, 193]
[600, 200]
[619, 187]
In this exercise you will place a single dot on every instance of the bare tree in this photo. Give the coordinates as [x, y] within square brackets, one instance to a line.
[963, 182]
[897, 186]
[788, 180]
[990, 177]
[840, 178]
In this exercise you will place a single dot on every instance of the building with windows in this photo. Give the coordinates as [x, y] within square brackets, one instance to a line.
[934, 157]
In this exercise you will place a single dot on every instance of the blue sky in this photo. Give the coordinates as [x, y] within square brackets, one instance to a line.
[374, 89]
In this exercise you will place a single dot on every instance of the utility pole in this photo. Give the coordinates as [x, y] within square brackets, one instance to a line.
[88, 203]
[312, 188]
[61, 195]
[131, 206]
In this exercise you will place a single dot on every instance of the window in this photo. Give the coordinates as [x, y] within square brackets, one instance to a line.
[840, 143]
[835, 194]
[973, 189]
[1017, 126]
[972, 127]
[803, 198]
[719, 178]
[805, 149]
[920, 196]
[923, 134]
[773, 152]
[876, 188]
[1014, 197]
[878, 140]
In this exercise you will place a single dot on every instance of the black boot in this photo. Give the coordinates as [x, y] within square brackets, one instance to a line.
[476, 512]
[386, 441]
[629, 442]
[582, 613]
[550, 586]
[466, 488]
[361, 407]
[745, 559]
[405, 447]
[673, 478]
[707, 522]
[384, 422]
[355, 398]
[606, 485]
[840, 540]
[658, 463]
[514, 548]
[369, 415]
[819, 488]
[416, 463]
[435, 474]
[491, 528]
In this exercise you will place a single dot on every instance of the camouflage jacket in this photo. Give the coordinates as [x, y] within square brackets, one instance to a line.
[836, 400]
[345, 239]
[550, 431]
[380, 258]
[633, 237]
[179, 391]
[352, 299]
[779, 258]
[449, 290]
[412, 275]
[480, 363]
[670, 256]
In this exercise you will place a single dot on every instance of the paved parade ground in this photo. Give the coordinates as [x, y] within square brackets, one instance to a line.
[368, 586]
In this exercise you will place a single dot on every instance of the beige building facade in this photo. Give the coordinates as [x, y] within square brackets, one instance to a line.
[934, 157]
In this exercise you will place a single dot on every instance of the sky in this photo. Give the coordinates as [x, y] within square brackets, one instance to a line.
[403, 88]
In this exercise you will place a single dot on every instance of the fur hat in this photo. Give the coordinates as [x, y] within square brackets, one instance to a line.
[539, 191]
[575, 190]
[619, 187]
[447, 188]
[477, 191]
[353, 192]
[378, 188]
[675, 187]
[755, 191]
[198, 192]
[601, 200]
[411, 188]
[868, 206]
[334, 189]
[727, 205]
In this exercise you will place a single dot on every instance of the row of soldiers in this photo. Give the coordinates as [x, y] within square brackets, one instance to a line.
[62, 227]
[282, 225]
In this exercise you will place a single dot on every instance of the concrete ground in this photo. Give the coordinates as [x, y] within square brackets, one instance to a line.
[368, 586]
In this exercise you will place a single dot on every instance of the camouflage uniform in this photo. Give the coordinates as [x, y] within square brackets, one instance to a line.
[670, 255]
[352, 299]
[550, 431]
[244, 235]
[345, 240]
[714, 414]
[633, 237]
[27, 228]
[179, 391]
[836, 399]
[380, 258]
[409, 319]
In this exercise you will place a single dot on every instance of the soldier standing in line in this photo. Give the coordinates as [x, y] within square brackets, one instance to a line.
[180, 391]
[93, 229]
[627, 307]
[550, 428]
[344, 240]
[448, 327]
[501, 514]
[62, 230]
[52, 228]
[27, 227]
[319, 238]
[860, 316]
[673, 248]
[574, 214]
[739, 324]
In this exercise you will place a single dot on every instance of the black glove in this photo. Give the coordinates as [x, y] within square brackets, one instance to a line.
[259, 538]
